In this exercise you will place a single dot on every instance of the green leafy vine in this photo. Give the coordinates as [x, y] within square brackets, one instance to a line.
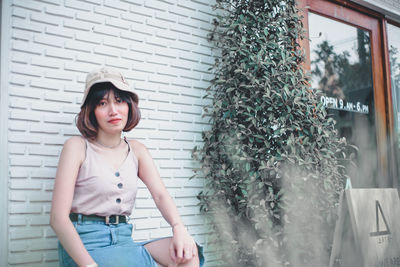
[272, 160]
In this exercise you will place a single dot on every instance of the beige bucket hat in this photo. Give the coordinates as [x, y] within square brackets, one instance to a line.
[111, 75]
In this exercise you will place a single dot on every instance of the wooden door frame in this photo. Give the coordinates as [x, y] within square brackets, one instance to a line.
[375, 23]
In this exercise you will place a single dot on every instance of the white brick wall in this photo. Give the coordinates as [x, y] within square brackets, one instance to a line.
[161, 47]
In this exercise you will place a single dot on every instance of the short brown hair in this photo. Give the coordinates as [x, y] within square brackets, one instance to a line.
[86, 119]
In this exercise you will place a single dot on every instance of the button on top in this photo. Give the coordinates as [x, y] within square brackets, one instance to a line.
[120, 185]
[117, 174]
[118, 200]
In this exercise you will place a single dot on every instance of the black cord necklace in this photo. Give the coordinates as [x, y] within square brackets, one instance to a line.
[110, 147]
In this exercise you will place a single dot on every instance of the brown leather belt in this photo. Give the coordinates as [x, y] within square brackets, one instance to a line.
[112, 219]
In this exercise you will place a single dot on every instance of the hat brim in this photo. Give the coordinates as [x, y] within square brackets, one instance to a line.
[119, 85]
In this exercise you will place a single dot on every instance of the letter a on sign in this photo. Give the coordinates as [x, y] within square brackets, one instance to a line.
[379, 214]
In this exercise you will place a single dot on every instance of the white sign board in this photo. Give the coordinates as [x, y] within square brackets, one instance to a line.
[367, 233]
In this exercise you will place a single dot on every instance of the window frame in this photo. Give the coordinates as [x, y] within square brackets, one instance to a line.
[375, 23]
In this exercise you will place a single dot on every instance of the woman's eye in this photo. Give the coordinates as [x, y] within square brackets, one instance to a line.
[119, 100]
[102, 103]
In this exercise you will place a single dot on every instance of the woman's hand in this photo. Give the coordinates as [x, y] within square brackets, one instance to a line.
[182, 247]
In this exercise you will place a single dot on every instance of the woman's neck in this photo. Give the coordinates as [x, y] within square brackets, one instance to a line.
[108, 140]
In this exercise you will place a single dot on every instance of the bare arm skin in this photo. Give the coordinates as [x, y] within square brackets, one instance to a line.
[182, 247]
[71, 158]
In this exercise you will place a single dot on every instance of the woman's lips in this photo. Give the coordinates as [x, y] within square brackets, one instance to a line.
[114, 121]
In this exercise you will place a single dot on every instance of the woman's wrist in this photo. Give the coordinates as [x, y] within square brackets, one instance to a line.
[178, 225]
[92, 265]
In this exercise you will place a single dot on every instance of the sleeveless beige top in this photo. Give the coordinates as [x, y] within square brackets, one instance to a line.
[102, 190]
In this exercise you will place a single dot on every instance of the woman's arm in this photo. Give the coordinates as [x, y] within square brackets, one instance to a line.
[71, 158]
[182, 246]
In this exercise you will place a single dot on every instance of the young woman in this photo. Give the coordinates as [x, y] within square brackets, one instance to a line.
[96, 183]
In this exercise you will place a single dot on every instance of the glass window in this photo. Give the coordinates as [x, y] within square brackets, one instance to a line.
[341, 68]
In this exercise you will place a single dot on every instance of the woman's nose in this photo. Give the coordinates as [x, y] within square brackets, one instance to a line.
[112, 108]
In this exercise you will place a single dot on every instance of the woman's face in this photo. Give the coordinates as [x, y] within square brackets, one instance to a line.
[111, 113]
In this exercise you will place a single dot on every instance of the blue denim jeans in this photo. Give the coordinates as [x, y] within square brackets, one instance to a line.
[112, 245]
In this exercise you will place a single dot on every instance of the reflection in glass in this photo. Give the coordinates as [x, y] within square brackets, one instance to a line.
[393, 33]
[341, 69]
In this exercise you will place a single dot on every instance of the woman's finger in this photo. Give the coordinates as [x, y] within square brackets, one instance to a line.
[179, 252]
[194, 250]
[188, 254]
[172, 252]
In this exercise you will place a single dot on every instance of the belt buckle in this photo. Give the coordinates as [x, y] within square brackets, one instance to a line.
[116, 219]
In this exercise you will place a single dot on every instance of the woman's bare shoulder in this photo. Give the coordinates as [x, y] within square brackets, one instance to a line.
[138, 147]
[77, 145]
[75, 142]
[135, 144]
